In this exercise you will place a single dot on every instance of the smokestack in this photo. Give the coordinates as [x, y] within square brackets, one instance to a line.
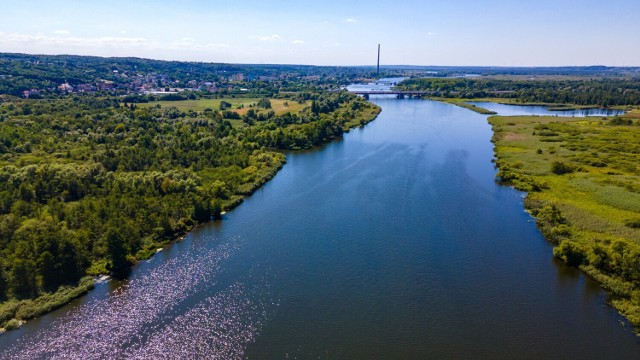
[378, 59]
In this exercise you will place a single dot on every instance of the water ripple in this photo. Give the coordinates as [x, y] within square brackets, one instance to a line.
[139, 319]
[219, 327]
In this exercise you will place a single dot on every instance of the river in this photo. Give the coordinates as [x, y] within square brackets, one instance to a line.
[540, 110]
[393, 242]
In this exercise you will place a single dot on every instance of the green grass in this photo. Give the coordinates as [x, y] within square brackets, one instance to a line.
[239, 105]
[362, 118]
[12, 313]
[463, 103]
[595, 199]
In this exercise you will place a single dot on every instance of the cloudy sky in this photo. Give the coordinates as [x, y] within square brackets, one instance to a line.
[345, 32]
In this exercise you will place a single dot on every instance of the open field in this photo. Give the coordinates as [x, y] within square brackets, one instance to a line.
[239, 105]
[582, 176]
[633, 114]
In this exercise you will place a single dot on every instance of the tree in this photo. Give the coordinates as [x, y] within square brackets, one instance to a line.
[264, 103]
[117, 251]
[47, 271]
[3, 284]
[22, 279]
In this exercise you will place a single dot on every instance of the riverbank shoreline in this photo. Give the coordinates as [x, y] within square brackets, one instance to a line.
[463, 104]
[576, 195]
[15, 313]
[623, 295]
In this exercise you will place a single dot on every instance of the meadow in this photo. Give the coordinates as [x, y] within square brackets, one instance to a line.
[238, 105]
[582, 176]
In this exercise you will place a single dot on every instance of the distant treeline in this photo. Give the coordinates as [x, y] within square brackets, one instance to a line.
[20, 72]
[601, 92]
[88, 186]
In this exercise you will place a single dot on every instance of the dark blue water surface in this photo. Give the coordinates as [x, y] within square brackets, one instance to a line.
[394, 242]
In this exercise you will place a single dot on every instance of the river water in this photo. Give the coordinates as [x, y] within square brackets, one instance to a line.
[393, 242]
[524, 110]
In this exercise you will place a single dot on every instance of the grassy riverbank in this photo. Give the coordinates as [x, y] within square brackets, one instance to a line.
[463, 103]
[14, 313]
[582, 176]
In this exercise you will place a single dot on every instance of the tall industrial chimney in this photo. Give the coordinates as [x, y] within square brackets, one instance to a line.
[378, 60]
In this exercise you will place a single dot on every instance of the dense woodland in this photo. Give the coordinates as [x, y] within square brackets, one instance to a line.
[600, 92]
[88, 184]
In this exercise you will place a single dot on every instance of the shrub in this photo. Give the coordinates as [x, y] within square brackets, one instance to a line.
[560, 168]
[12, 324]
[8, 310]
[632, 223]
[620, 121]
[561, 230]
[572, 253]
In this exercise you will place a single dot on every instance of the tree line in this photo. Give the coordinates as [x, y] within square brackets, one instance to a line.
[599, 92]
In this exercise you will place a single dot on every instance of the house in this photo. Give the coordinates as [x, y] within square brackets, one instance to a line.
[65, 87]
[85, 88]
[237, 77]
[106, 85]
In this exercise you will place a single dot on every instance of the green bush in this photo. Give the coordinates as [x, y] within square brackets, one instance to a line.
[12, 324]
[632, 223]
[560, 168]
[572, 253]
[8, 311]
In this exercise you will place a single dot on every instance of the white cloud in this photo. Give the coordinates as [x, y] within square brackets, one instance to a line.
[71, 40]
[297, 42]
[103, 42]
[430, 33]
[271, 38]
[351, 20]
[62, 32]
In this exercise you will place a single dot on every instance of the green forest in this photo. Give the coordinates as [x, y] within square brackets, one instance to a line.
[602, 92]
[89, 185]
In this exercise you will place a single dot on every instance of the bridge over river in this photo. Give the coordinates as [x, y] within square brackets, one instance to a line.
[400, 94]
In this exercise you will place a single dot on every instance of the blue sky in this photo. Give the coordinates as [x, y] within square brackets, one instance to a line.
[464, 32]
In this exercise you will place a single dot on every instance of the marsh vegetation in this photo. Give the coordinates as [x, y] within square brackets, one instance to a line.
[582, 177]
